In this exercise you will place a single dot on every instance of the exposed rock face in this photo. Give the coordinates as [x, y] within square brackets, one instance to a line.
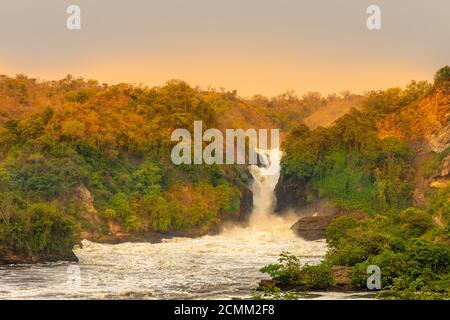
[90, 213]
[341, 277]
[246, 179]
[86, 197]
[292, 194]
[429, 119]
[440, 140]
[442, 180]
[246, 204]
[445, 168]
[312, 228]
[315, 227]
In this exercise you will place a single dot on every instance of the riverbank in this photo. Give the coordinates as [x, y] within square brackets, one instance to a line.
[222, 266]
[10, 256]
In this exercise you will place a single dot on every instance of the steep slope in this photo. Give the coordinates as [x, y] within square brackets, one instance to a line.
[79, 159]
[390, 161]
[425, 125]
[427, 121]
[334, 109]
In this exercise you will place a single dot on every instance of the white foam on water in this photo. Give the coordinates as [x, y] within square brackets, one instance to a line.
[223, 266]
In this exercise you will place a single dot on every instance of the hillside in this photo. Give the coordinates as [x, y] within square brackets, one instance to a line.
[83, 160]
[79, 159]
[384, 171]
[428, 119]
[333, 110]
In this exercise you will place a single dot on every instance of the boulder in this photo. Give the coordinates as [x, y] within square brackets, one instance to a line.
[315, 227]
[292, 194]
[267, 284]
[312, 228]
[440, 140]
[341, 277]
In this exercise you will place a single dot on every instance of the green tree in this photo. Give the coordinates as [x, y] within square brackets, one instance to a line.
[43, 229]
[442, 75]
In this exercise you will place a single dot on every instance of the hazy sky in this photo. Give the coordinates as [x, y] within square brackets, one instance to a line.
[254, 46]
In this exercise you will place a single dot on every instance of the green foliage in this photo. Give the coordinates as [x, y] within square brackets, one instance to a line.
[338, 228]
[349, 164]
[391, 265]
[317, 277]
[413, 265]
[440, 204]
[353, 167]
[132, 223]
[381, 103]
[286, 272]
[357, 245]
[414, 222]
[110, 213]
[423, 273]
[114, 142]
[430, 165]
[120, 204]
[442, 75]
[399, 244]
[42, 229]
[275, 294]
[290, 274]
[147, 178]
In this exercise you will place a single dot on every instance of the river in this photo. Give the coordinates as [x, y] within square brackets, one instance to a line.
[224, 266]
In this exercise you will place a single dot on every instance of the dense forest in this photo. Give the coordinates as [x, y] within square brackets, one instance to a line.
[388, 161]
[79, 159]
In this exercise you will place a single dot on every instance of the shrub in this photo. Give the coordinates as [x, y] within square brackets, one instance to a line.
[289, 274]
[110, 213]
[358, 245]
[423, 255]
[338, 228]
[442, 75]
[430, 165]
[43, 229]
[317, 277]
[414, 222]
[132, 223]
[286, 272]
[391, 265]
[347, 254]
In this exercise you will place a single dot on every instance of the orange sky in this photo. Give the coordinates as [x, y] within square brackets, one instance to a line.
[257, 47]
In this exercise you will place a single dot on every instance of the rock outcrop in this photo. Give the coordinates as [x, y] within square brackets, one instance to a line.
[315, 227]
[445, 167]
[440, 140]
[442, 180]
[341, 277]
[292, 194]
[246, 205]
[428, 120]
[244, 182]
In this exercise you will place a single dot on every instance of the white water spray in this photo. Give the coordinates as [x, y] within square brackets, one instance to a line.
[221, 266]
[265, 181]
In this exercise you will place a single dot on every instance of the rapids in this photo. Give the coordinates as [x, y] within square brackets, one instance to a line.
[210, 267]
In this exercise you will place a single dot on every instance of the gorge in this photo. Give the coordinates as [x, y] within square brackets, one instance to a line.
[84, 161]
[220, 266]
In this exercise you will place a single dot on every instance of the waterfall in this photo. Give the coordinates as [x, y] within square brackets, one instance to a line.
[222, 266]
[263, 188]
